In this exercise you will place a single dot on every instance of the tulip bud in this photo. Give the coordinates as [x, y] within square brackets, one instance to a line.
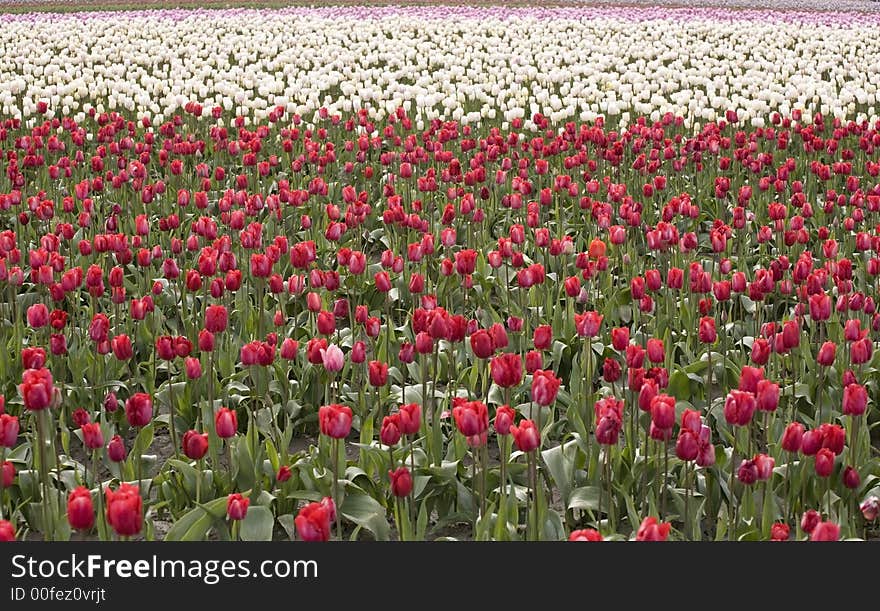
[237, 506]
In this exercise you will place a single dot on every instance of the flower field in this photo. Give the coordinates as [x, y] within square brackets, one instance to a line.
[434, 272]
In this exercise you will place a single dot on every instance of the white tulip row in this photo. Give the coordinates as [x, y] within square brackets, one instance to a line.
[464, 64]
[799, 5]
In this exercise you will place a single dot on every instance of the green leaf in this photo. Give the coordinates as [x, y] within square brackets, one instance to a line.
[679, 385]
[194, 525]
[287, 523]
[366, 512]
[559, 466]
[586, 497]
[257, 524]
[246, 475]
[143, 441]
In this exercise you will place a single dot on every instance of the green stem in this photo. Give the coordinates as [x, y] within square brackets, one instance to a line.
[533, 477]
[102, 526]
[687, 500]
[336, 487]
[48, 517]
[229, 465]
[412, 470]
[172, 429]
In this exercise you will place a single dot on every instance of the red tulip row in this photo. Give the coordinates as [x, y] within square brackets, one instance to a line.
[589, 331]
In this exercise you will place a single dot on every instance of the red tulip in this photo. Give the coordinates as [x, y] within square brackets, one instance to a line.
[543, 337]
[833, 437]
[206, 341]
[335, 420]
[647, 392]
[779, 532]
[851, 478]
[7, 531]
[587, 534]
[194, 445]
[499, 335]
[707, 333]
[506, 370]
[38, 315]
[791, 334]
[792, 437]
[313, 522]
[471, 418]
[401, 482]
[825, 531]
[284, 474]
[216, 318]
[237, 506]
[7, 474]
[122, 348]
[481, 344]
[261, 266]
[534, 361]
[139, 409]
[390, 432]
[852, 330]
[663, 411]
[652, 529]
[861, 350]
[526, 436]
[764, 465]
[810, 520]
[9, 427]
[826, 354]
[687, 446]
[226, 423]
[378, 373]
[116, 449]
[609, 414]
[410, 418]
[37, 389]
[611, 370]
[545, 385]
[80, 511]
[326, 322]
[80, 417]
[620, 338]
[57, 344]
[465, 262]
[767, 396]
[125, 510]
[656, 352]
[588, 323]
[824, 462]
[193, 368]
[33, 358]
[383, 281]
[739, 407]
[290, 349]
[760, 351]
[820, 307]
[749, 378]
[635, 356]
[504, 417]
[747, 472]
[92, 436]
[165, 348]
[855, 400]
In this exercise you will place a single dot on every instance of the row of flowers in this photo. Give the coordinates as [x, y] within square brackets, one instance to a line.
[471, 65]
[630, 329]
